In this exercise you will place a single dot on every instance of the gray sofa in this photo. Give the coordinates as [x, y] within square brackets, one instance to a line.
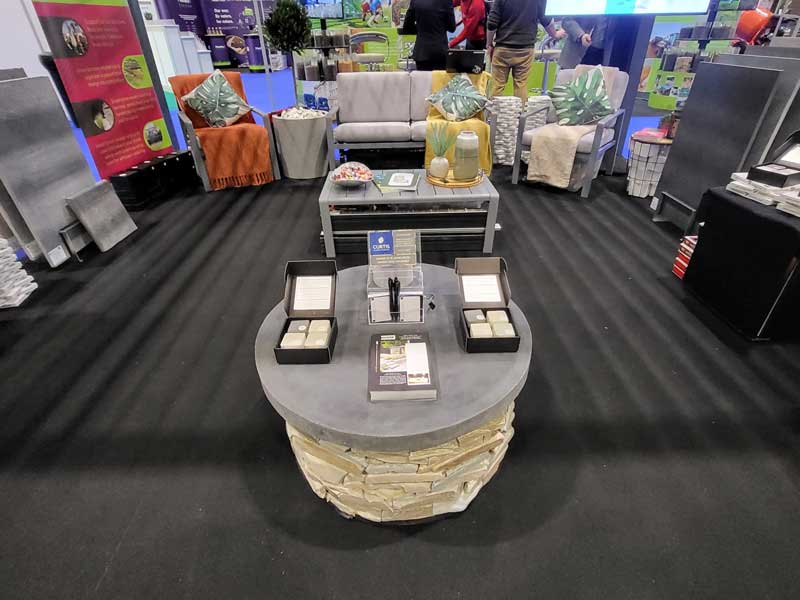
[379, 110]
[592, 148]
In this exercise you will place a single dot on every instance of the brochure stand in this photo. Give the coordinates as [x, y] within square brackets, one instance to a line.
[395, 290]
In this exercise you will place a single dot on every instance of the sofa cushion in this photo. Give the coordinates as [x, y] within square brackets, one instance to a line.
[374, 97]
[385, 131]
[459, 100]
[616, 96]
[582, 101]
[420, 90]
[584, 146]
[419, 130]
[216, 101]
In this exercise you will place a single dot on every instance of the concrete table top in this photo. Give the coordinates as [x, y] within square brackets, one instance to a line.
[329, 402]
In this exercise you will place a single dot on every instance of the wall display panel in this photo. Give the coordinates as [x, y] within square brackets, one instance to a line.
[717, 130]
[40, 161]
[783, 114]
[626, 7]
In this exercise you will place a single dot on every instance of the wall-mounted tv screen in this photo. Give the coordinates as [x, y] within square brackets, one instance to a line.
[626, 7]
[324, 9]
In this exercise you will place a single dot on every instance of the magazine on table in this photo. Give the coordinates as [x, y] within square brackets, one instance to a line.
[389, 182]
[401, 368]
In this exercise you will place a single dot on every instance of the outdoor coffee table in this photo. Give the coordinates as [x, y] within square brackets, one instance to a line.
[396, 461]
[368, 195]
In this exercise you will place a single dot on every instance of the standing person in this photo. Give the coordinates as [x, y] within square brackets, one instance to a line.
[473, 16]
[430, 20]
[511, 36]
[585, 43]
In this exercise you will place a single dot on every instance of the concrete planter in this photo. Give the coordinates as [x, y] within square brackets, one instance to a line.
[302, 147]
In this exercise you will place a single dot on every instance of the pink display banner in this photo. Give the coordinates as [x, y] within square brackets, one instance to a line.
[100, 61]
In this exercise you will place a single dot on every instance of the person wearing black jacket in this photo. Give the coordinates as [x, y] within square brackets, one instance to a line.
[430, 20]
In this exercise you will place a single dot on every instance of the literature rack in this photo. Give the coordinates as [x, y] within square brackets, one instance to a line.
[395, 287]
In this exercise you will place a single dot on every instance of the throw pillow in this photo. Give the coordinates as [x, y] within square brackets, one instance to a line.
[582, 101]
[459, 100]
[216, 101]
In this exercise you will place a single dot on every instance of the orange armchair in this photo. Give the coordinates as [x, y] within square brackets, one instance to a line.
[238, 155]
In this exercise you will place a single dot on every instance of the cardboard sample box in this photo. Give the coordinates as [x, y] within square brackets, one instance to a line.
[484, 288]
[309, 300]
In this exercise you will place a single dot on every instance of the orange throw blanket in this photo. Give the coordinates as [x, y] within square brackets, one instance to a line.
[237, 155]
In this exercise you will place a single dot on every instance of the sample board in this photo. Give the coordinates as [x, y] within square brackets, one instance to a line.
[626, 7]
[40, 161]
[717, 129]
[783, 114]
[100, 211]
[15, 73]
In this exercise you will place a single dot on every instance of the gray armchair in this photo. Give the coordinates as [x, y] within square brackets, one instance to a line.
[593, 147]
[190, 124]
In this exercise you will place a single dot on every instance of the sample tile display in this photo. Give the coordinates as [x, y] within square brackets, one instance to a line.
[40, 161]
[15, 283]
[100, 211]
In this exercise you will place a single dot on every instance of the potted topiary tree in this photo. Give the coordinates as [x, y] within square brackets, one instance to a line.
[288, 28]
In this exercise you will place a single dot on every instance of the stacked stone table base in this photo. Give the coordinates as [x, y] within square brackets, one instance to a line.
[15, 283]
[404, 486]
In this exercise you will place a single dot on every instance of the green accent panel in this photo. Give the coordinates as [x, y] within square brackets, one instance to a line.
[677, 86]
[172, 102]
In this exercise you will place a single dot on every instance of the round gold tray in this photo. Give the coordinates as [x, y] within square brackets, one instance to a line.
[450, 182]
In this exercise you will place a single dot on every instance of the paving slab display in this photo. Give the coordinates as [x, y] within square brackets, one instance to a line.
[40, 161]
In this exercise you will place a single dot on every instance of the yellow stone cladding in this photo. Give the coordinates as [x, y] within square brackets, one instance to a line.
[404, 486]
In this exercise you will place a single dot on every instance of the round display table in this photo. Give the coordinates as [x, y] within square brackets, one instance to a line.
[396, 461]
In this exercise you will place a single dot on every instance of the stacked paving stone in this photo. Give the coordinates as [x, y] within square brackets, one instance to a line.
[539, 119]
[404, 486]
[15, 284]
[507, 111]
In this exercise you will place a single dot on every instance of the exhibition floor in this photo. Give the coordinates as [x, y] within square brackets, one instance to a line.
[656, 453]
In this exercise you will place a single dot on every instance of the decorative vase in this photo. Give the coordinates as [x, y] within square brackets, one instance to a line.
[467, 161]
[440, 167]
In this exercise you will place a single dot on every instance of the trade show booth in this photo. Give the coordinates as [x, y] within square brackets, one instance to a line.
[389, 252]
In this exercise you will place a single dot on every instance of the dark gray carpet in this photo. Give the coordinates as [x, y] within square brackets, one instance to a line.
[656, 453]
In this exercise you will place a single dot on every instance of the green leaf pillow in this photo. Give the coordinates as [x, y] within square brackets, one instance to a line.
[216, 101]
[459, 100]
[583, 100]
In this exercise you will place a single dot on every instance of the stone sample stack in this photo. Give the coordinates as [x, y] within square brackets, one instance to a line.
[404, 486]
[507, 111]
[539, 119]
[15, 284]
